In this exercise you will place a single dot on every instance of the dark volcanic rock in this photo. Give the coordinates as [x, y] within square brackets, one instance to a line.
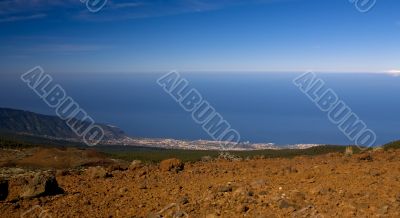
[3, 189]
[365, 157]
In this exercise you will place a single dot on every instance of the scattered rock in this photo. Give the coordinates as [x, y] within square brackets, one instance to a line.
[171, 165]
[41, 185]
[221, 188]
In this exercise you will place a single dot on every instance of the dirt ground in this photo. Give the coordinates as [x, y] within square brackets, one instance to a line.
[333, 185]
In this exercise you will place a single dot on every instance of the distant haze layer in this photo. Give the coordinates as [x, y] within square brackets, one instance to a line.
[262, 107]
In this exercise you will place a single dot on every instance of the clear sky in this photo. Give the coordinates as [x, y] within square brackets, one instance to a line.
[199, 35]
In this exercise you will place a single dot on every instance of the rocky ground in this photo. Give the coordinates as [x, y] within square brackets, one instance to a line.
[333, 185]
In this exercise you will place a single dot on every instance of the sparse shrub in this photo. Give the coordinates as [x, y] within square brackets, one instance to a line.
[377, 149]
[228, 156]
[392, 145]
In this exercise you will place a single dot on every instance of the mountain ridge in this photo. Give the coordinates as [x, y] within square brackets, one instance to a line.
[31, 123]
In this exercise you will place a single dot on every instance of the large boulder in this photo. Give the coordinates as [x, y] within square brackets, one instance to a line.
[3, 189]
[171, 165]
[41, 185]
[97, 173]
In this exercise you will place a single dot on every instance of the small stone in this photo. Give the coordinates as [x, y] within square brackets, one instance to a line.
[242, 208]
[184, 200]
[298, 197]
[86, 202]
[374, 172]
[16, 205]
[383, 210]
[263, 193]
[225, 189]
[123, 190]
[362, 206]
[284, 204]
[142, 172]
[179, 214]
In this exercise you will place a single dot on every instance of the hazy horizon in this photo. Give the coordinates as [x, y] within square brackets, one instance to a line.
[264, 108]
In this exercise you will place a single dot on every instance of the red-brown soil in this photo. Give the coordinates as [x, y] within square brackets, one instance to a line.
[332, 185]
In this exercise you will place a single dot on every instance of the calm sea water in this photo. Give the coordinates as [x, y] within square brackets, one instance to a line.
[262, 107]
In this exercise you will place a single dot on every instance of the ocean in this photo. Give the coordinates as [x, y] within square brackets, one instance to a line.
[262, 107]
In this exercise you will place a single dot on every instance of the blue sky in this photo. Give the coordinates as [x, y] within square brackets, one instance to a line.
[199, 35]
